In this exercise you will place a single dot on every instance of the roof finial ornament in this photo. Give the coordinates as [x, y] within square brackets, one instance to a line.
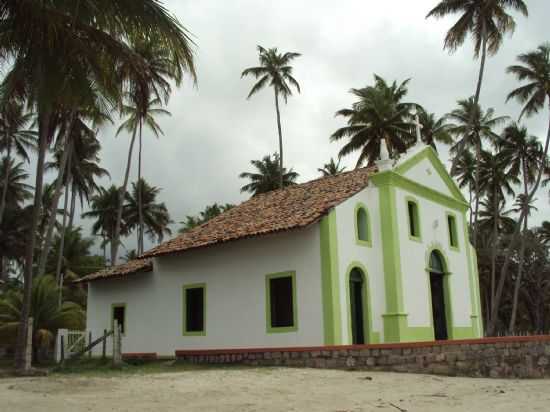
[385, 162]
[419, 143]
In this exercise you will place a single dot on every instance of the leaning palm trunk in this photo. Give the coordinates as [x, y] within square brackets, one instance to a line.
[116, 238]
[494, 245]
[140, 201]
[6, 183]
[472, 117]
[43, 137]
[63, 229]
[517, 285]
[52, 218]
[505, 267]
[280, 139]
[72, 210]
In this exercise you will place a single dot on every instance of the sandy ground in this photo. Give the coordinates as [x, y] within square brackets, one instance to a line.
[271, 389]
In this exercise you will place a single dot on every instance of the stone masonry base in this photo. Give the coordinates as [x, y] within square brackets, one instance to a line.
[507, 357]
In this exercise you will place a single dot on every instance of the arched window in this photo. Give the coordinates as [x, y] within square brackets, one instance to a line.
[436, 263]
[362, 226]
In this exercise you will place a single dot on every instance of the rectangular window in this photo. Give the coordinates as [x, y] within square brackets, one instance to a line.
[194, 308]
[453, 237]
[414, 224]
[119, 314]
[281, 302]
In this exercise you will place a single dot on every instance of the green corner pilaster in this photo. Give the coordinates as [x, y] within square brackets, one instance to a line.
[332, 319]
[395, 318]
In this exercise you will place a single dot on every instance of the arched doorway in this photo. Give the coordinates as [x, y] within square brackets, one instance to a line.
[437, 286]
[358, 305]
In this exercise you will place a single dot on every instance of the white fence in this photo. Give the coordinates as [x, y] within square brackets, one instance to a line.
[73, 342]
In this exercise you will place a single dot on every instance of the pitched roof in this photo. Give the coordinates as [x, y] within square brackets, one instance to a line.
[130, 268]
[280, 210]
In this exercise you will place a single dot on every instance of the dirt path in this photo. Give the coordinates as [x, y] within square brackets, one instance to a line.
[271, 390]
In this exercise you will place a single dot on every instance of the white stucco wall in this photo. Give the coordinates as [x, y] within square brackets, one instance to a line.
[370, 257]
[235, 281]
[425, 173]
[434, 232]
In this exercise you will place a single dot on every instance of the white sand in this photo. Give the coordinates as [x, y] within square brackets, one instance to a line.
[272, 389]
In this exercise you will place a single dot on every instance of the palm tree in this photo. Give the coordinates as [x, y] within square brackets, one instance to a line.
[497, 182]
[464, 170]
[434, 130]
[535, 69]
[274, 70]
[103, 208]
[142, 113]
[485, 21]
[209, 212]
[14, 185]
[90, 41]
[47, 315]
[378, 114]
[266, 177]
[14, 136]
[523, 154]
[544, 232]
[155, 215]
[331, 168]
[472, 125]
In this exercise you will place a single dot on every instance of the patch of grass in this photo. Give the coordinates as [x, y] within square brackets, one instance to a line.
[100, 367]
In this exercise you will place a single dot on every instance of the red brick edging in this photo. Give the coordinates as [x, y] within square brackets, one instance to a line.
[140, 355]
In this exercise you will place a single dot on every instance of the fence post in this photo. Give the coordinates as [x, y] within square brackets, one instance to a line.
[62, 349]
[89, 343]
[104, 352]
[28, 347]
[117, 352]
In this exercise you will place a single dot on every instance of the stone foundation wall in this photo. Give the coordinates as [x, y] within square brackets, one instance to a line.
[509, 357]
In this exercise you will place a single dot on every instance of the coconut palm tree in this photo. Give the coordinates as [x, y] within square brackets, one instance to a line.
[14, 137]
[472, 126]
[47, 315]
[497, 183]
[434, 130]
[274, 71]
[331, 168]
[485, 21]
[534, 69]
[103, 208]
[544, 232]
[378, 114]
[140, 114]
[266, 177]
[62, 56]
[209, 212]
[15, 186]
[464, 170]
[523, 154]
[156, 218]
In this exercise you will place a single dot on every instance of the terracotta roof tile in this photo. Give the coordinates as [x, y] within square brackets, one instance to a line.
[119, 271]
[280, 210]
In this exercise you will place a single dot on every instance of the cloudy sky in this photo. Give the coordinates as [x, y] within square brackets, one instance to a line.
[214, 131]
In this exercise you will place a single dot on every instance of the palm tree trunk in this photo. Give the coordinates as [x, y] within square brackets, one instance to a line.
[517, 285]
[43, 138]
[6, 181]
[505, 267]
[52, 218]
[63, 228]
[140, 203]
[72, 209]
[122, 191]
[494, 245]
[478, 144]
[470, 207]
[280, 139]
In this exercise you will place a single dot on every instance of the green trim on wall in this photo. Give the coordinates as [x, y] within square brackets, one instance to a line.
[430, 154]
[361, 242]
[436, 247]
[119, 305]
[330, 280]
[417, 223]
[185, 332]
[370, 335]
[285, 329]
[391, 178]
[454, 228]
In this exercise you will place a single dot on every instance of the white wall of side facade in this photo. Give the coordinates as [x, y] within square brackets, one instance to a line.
[235, 278]
[415, 278]
[370, 257]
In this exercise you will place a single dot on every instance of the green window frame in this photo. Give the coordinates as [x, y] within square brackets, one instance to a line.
[269, 304]
[413, 218]
[185, 313]
[115, 306]
[362, 224]
[452, 231]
